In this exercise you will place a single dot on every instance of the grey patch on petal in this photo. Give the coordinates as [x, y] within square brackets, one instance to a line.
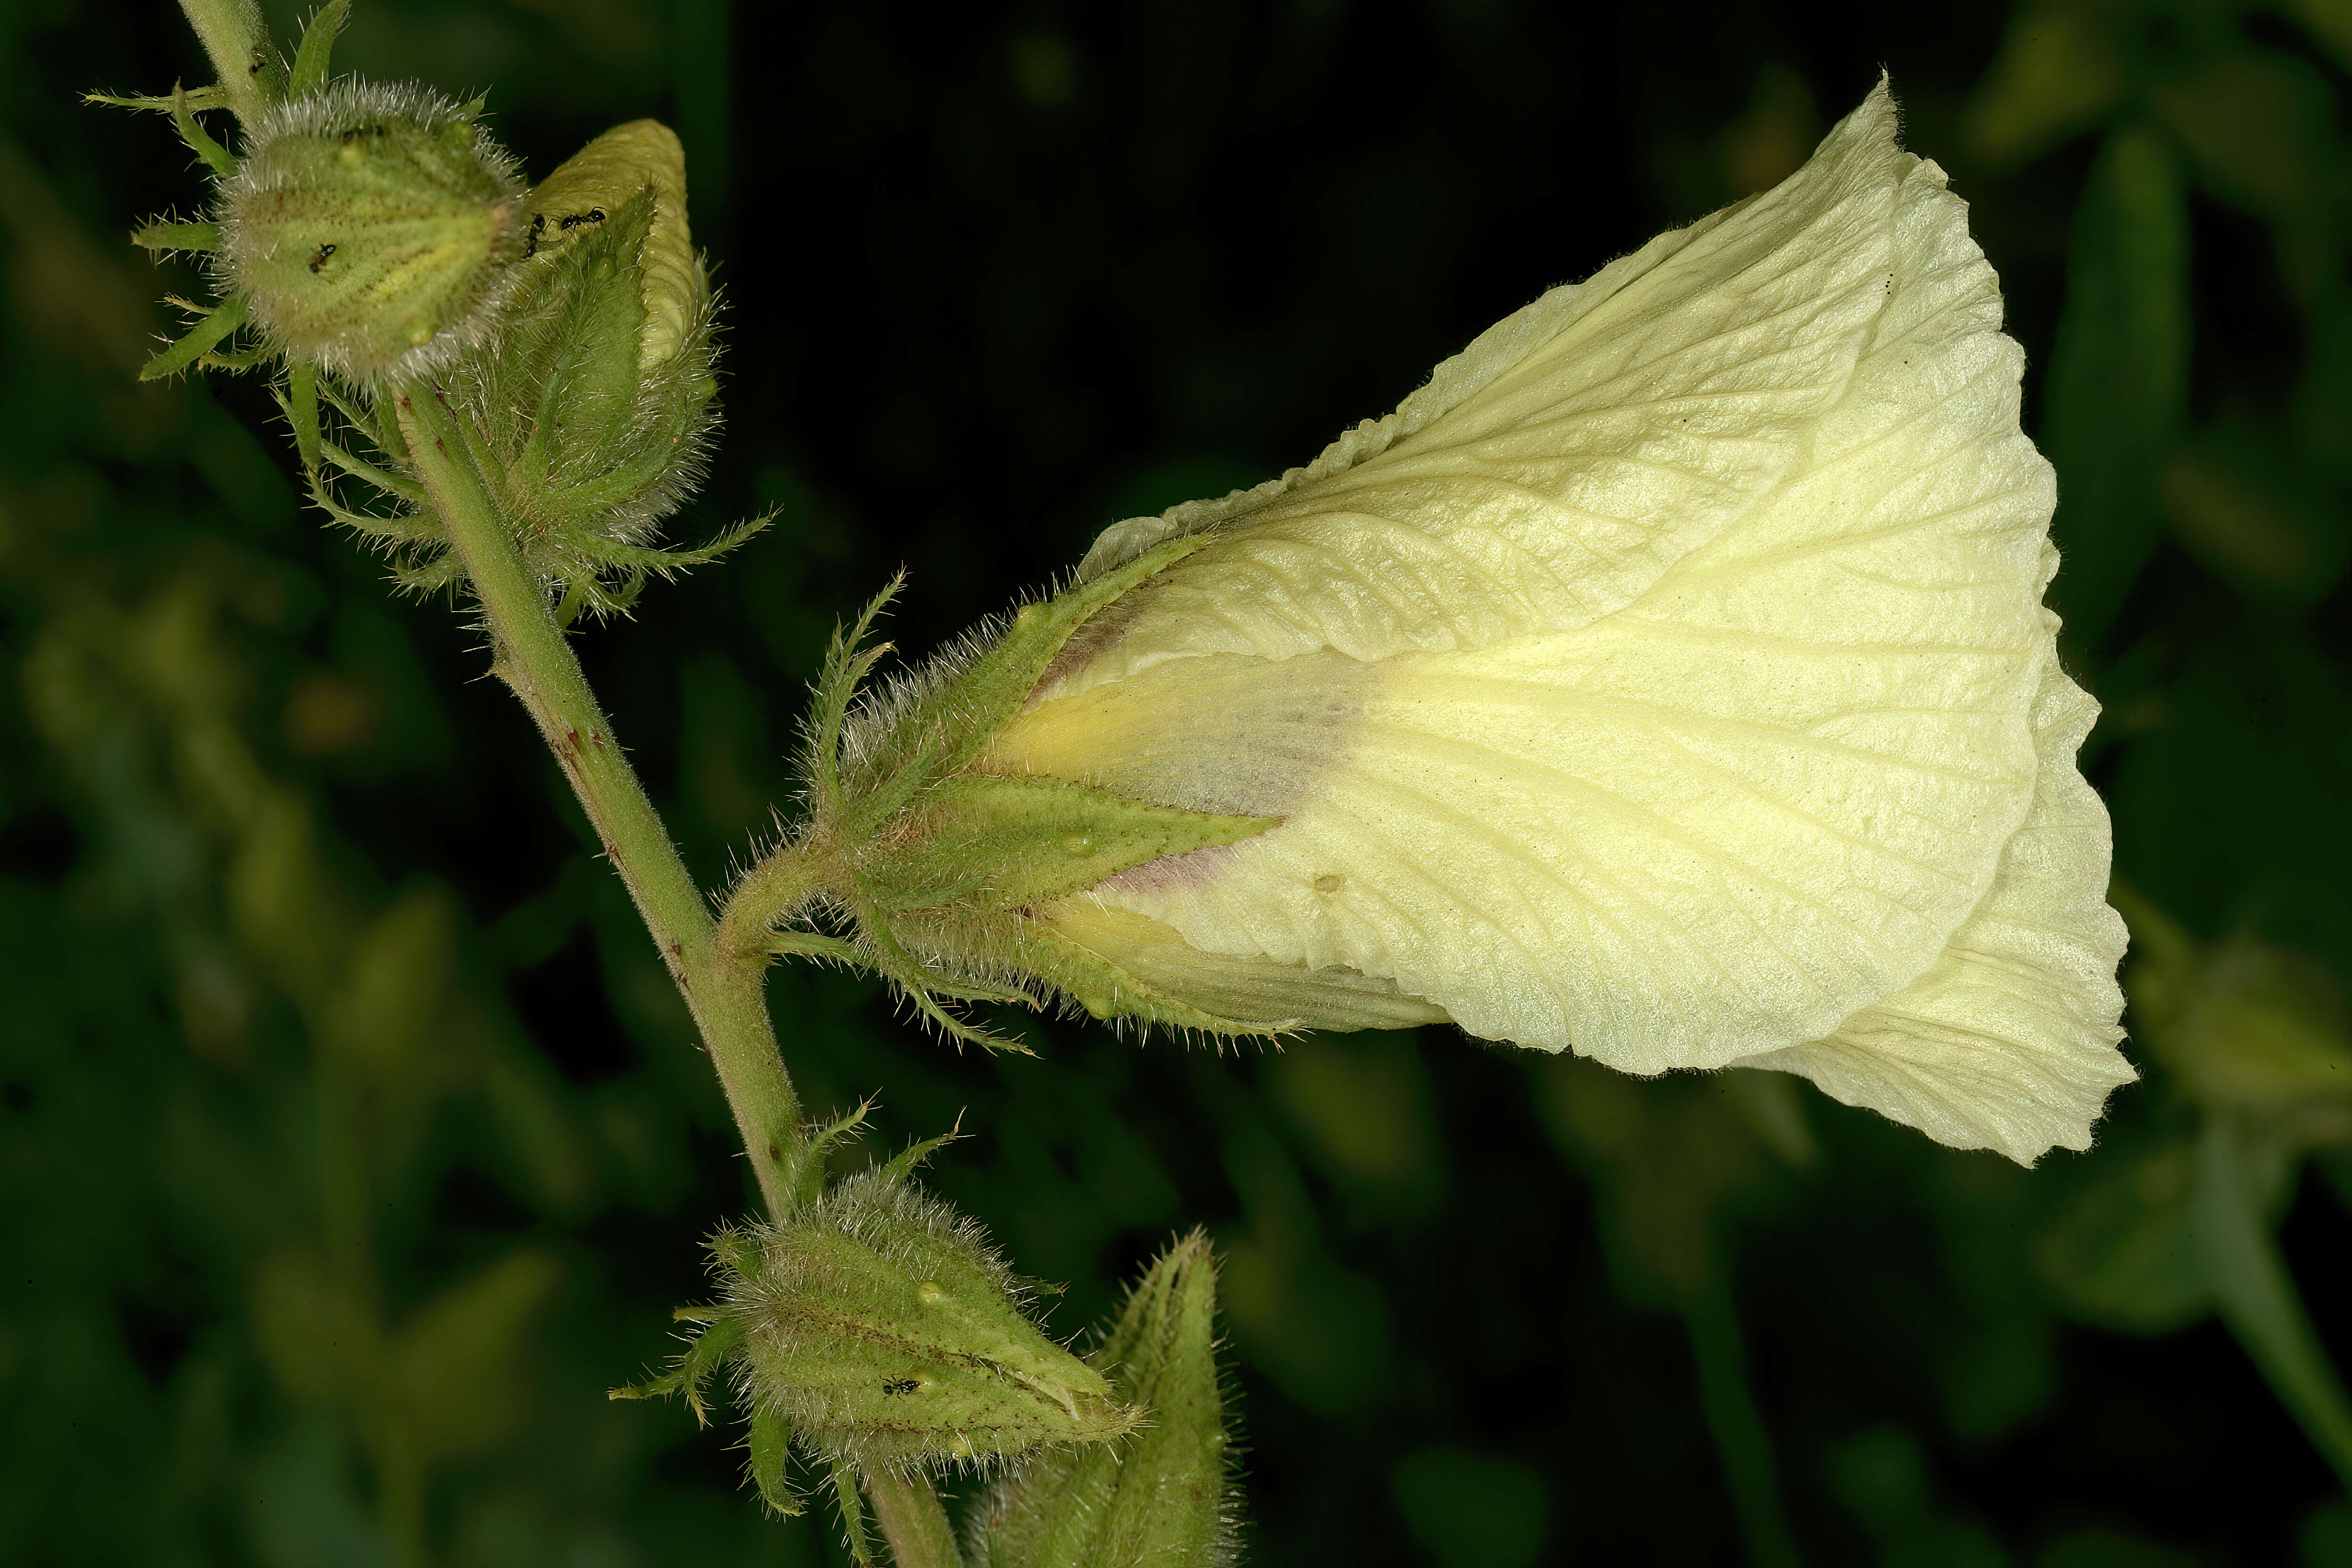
[1101, 630]
[1227, 733]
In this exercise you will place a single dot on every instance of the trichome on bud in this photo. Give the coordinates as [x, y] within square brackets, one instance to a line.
[368, 229]
[379, 245]
[1163, 1494]
[877, 1330]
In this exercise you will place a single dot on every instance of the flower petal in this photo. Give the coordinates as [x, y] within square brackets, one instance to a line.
[1553, 470]
[1656, 681]
[2008, 1042]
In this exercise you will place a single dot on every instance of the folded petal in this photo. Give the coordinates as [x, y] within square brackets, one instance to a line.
[2008, 1042]
[1132, 966]
[1553, 470]
[1665, 693]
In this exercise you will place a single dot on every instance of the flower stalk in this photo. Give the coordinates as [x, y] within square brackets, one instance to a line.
[238, 43]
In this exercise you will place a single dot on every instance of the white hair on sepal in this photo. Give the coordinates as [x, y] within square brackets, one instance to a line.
[870, 736]
[348, 107]
[351, 102]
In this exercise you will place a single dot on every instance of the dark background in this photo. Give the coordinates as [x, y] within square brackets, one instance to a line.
[351, 1142]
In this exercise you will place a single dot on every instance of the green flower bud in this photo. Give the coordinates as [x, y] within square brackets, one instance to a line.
[944, 864]
[1160, 1495]
[596, 401]
[884, 1330]
[878, 1328]
[585, 387]
[368, 228]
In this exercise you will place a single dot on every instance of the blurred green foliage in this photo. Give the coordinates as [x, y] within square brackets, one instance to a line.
[353, 1141]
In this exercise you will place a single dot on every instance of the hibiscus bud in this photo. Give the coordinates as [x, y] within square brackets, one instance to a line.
[368, 229]
[1160, 1495]
[1666, 681]
[880, 1330]
[596, 401]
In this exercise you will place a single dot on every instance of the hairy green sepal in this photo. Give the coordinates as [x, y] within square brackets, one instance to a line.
[939, 865]
[990, 844]
[1163, 1494]
[368, 229]
[922, 735]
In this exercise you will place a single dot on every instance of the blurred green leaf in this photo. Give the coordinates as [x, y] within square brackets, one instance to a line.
[2109, 1549]
[2326, 1539]
[2242, 501]
[1470, 1511]
[2123, 1253]
[458, 1364]
[2115, 398]
[2251, 1032]
[1363, 1102]
[1319, 1328]
[319, 1333]
[2059, 71]
[1881, 1475]
[2330, 21]
[1673, 1158]
[2259, 126]
[392, 990]
[2322, 421]
[2241, 1170]
[1998, 1368]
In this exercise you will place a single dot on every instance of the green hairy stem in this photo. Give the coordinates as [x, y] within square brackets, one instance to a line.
[720, 982]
